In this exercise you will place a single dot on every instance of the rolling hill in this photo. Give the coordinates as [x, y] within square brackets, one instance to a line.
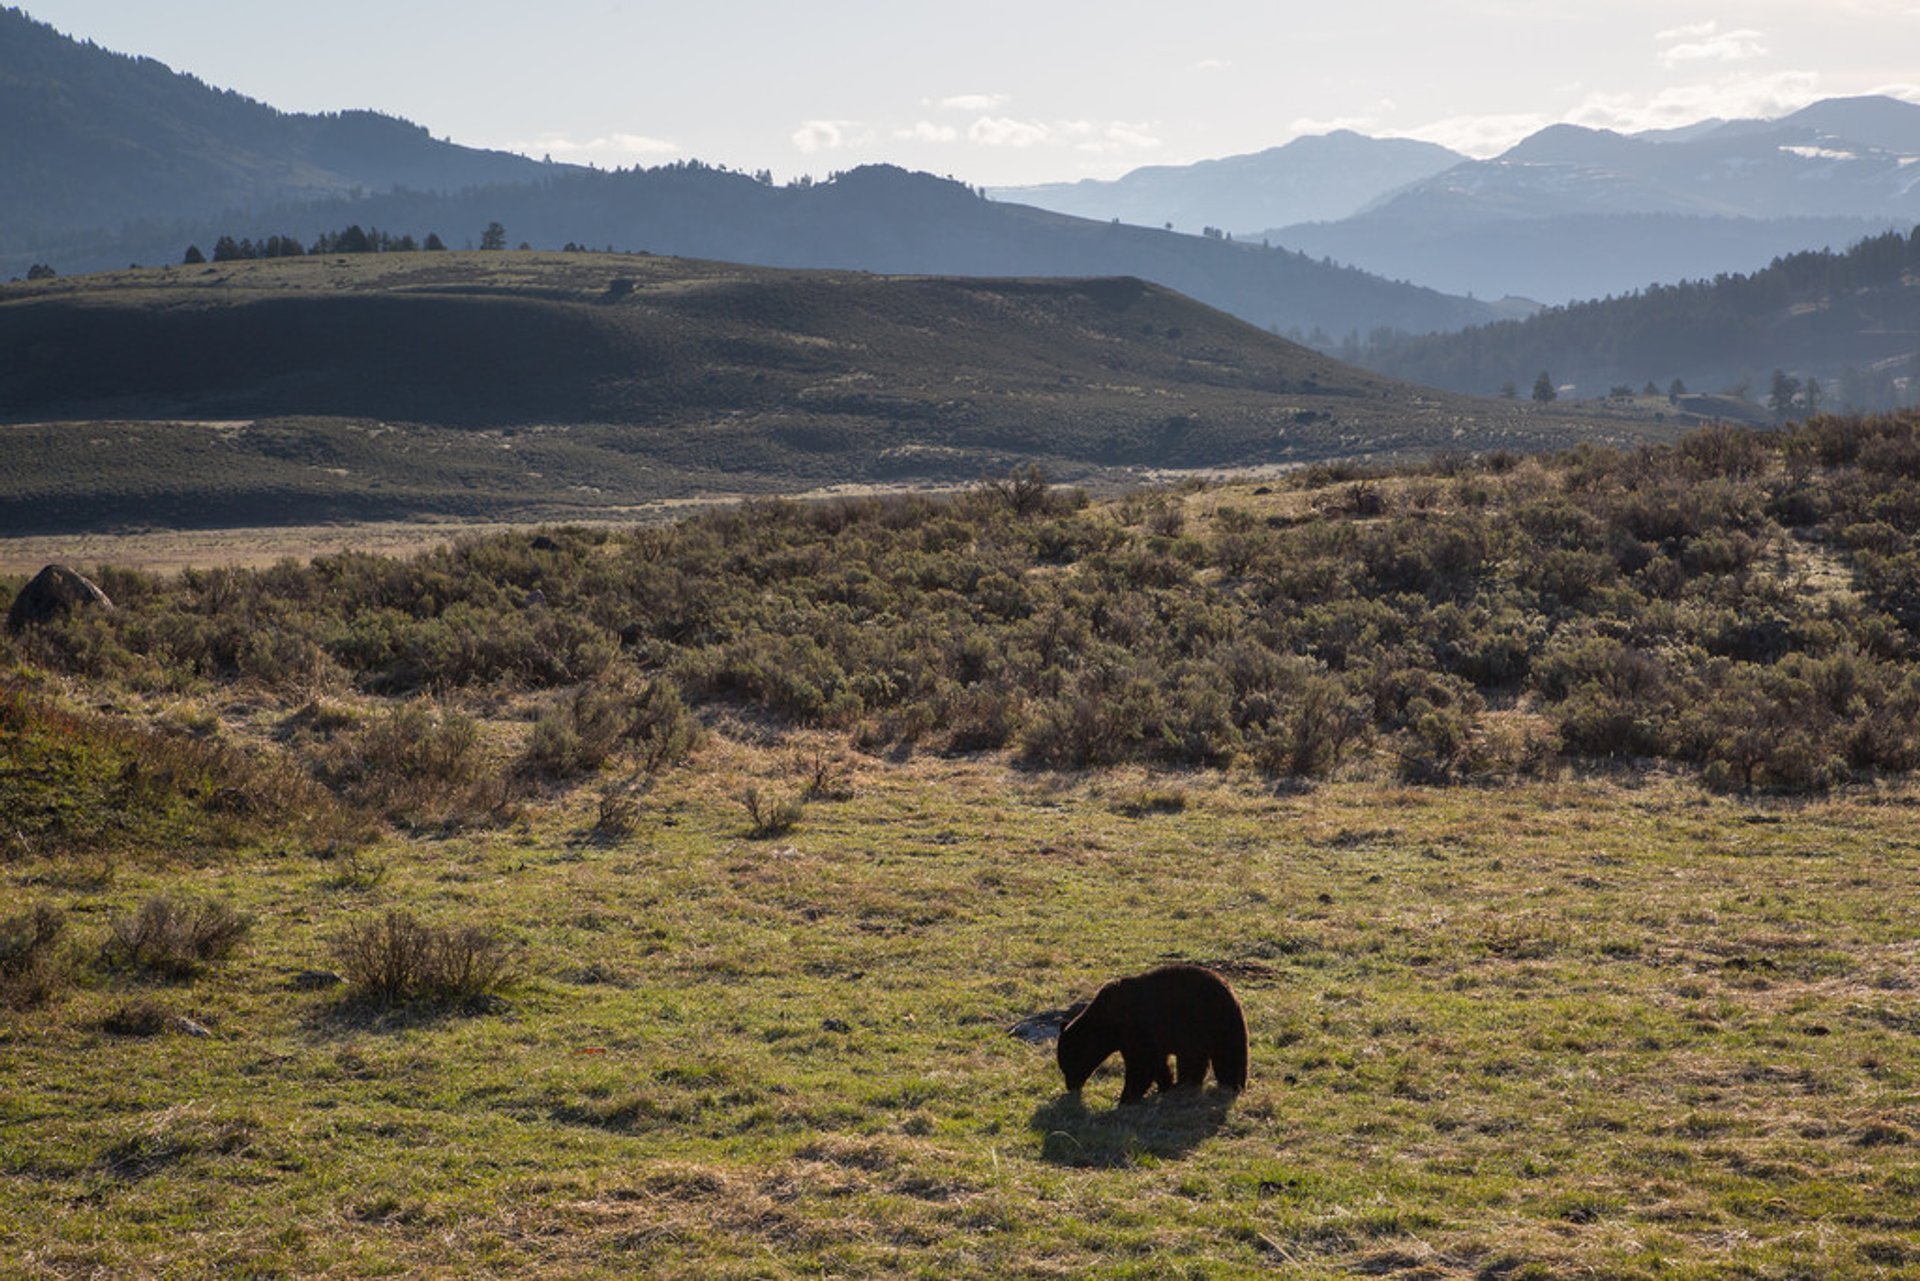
[885, 219]
[502, 383]
[1849, 320]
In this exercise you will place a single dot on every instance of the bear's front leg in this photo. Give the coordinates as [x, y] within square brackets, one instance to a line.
[1193, 1071]
[1142, 1071]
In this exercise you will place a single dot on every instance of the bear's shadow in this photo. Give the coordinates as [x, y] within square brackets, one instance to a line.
[1164, 1127]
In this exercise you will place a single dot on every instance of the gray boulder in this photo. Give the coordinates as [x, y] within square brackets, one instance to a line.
[55, 592]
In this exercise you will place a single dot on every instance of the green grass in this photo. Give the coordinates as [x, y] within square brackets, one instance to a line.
[1584, 1026]
[1603, 1022]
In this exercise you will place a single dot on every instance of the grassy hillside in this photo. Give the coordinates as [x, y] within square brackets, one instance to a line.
[749, 921]
[481, 384]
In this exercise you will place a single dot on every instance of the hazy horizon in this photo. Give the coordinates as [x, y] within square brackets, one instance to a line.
[1003, 94]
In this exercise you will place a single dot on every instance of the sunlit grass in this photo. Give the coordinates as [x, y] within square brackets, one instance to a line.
[1607, 1027]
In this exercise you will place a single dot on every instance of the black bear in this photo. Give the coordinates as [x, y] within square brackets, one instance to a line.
[1182, 1011]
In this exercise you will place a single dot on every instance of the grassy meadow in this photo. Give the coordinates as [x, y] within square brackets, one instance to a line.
[1520, 1007]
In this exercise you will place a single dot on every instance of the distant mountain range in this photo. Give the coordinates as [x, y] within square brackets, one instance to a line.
[94, 139]
[1581, 213]
[112, 160]
[1566, 213]
[1312, 179]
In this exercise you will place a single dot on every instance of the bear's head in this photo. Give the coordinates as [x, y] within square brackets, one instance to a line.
[1084, 1045]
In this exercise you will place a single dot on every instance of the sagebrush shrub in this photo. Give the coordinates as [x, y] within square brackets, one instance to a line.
[396, 957]
[175, 939]
[30, 973]
[582, 730]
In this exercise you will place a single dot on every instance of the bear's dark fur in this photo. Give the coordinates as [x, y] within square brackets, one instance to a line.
[1178, 1011]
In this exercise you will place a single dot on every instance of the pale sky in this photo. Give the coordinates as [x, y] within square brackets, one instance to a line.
[1001, 93]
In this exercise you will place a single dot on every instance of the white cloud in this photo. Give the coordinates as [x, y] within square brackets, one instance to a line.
[1101, 137]
[1004, 131]
[1731, 97]
[1305, 125]
[1481, 135]
[927, 131]
[1705, 42]
[613, 146]
[830, 135]
[1115, 138]
[1693, 31]
[971, 102]
[1124, 136]
[1213, 64]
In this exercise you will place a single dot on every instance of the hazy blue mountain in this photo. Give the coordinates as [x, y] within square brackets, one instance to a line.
[1309, 179]
[1874, 121]
[1570, 256]
[1580, 213]
[94, 139]
[1850, 320]
[111, 160]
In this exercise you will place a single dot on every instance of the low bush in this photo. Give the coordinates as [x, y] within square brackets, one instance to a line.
[418, 763]
[583, 729]
[397, 957]
[30, 973]
[173, 939]
[620, 808]
[1600, 590]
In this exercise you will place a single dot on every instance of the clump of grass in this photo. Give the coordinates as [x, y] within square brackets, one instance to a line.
[397, 958]
[88, 785]
[1139, 801]
[770, 814]
[141, 1017]
[355, 868]
[173, 939]
[30, 974]
[176, 1135]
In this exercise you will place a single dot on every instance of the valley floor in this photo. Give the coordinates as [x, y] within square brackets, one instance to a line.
[1587, 1026]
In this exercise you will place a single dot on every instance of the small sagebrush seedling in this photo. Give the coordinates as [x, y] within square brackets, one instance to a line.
[771, 815]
